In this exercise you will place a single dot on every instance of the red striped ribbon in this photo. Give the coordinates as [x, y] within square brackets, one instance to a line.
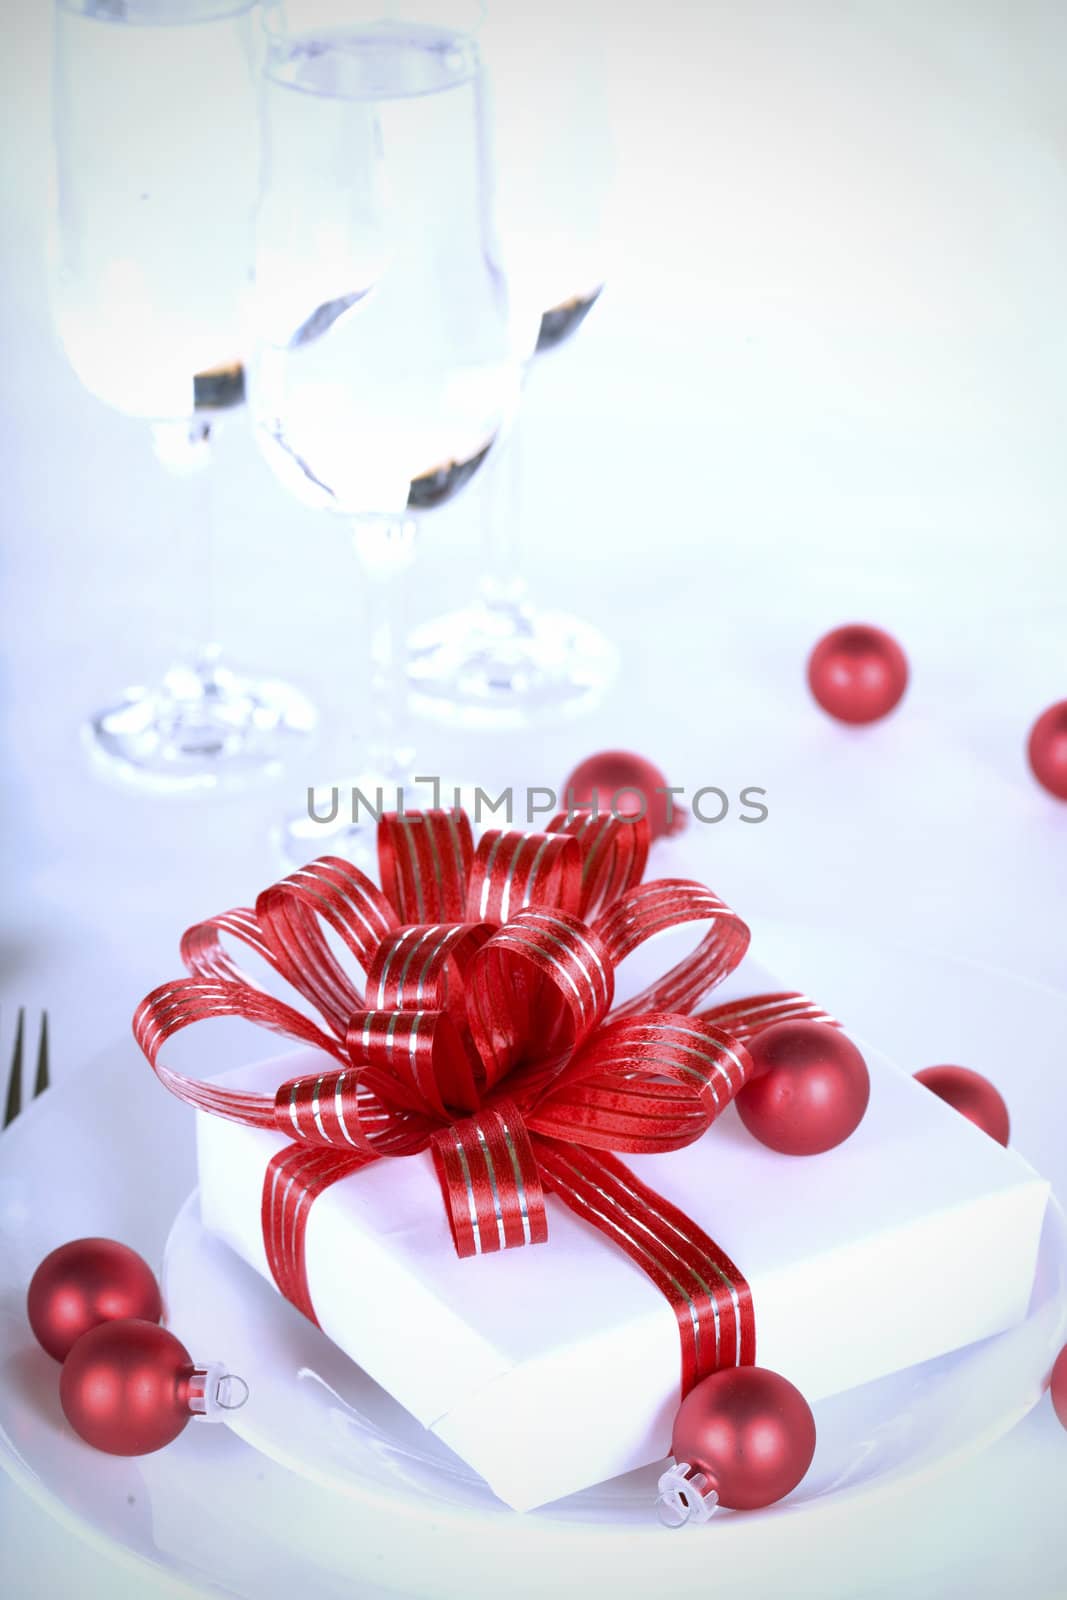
[482, 1031]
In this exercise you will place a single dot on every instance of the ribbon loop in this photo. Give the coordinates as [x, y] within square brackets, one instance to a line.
[655, 1082]
[668, 903]
[537, 988]
[337, 1111]
[288, 914]
[743, 1019]
[425, 861]
[489, 1179]
[174, 1006]
[415, 1061]
[614, 853]
[423, 968]
[514, 870]
[204, 955]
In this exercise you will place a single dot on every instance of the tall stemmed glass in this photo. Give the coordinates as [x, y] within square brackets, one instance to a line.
[156, 143]
[385, 360]
[505, 661]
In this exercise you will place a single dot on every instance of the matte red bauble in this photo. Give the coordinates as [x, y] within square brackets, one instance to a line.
[810, 1090]
[743, 1438]
[858, 673]
[973, 1096]
[125, 1387]
[630, 784]
[1047, 750]
[85, 1283]
[1058, 1386]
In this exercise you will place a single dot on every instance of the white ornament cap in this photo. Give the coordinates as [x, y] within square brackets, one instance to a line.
[685, 1495]
[213, 1391]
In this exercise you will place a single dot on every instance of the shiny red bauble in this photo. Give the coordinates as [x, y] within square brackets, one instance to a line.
[749, 1431]
[627, 784]
[1047, 750]
[810, 1090]
[858, 673]
[125, 1387]
[1058, 1386]
[973, 1096]
[85, 1283]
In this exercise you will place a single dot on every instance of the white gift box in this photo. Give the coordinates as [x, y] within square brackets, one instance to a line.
[557, 1366]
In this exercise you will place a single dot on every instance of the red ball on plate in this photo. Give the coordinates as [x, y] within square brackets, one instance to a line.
[626, 785]
[1058, 1386]
[1047, 750]
[124, 1387]
[858, 673]
[749, 1431]
[809, 1091]
[84, 1283]
[973, 1096]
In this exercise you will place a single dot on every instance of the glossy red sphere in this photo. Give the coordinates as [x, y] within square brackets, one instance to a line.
[1058, 1386]
[622, 779]
[84, 1283]
[811, 1088]
[857, 673]
[124, 1387]
[973, 1096]
[1047, 750]
[750, 1431]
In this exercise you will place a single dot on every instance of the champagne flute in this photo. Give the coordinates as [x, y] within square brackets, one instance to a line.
[156, 144]
[385, 357]
[504, 661]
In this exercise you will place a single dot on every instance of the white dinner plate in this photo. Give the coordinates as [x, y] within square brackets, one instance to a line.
[313, 1410]
[333, 1489]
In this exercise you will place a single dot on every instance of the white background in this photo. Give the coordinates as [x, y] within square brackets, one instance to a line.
[828, 382]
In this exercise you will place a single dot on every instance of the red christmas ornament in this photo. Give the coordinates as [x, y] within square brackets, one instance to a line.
[130, 1388]
[625, 785]
[1058, 1386]
[973, 1096]
[857, 673]
[84, 1283]
[743, 1438]
[811, 1088]
[1047, 750]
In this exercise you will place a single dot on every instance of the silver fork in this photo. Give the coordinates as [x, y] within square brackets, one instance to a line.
[13, 1101]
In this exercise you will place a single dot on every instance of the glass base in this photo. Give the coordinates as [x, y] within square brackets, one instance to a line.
[345, 820]
[508, 666]
[205, 726]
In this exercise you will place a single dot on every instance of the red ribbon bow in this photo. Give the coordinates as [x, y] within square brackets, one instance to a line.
[486, 1035]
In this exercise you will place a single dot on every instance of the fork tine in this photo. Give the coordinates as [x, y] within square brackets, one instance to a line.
[40, 1082]
[13, 1104]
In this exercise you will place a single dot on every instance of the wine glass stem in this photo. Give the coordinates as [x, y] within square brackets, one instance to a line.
[503, 586]
[186, 452]
[386, 549]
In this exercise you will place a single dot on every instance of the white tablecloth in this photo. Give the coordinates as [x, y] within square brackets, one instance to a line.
[828, 382]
